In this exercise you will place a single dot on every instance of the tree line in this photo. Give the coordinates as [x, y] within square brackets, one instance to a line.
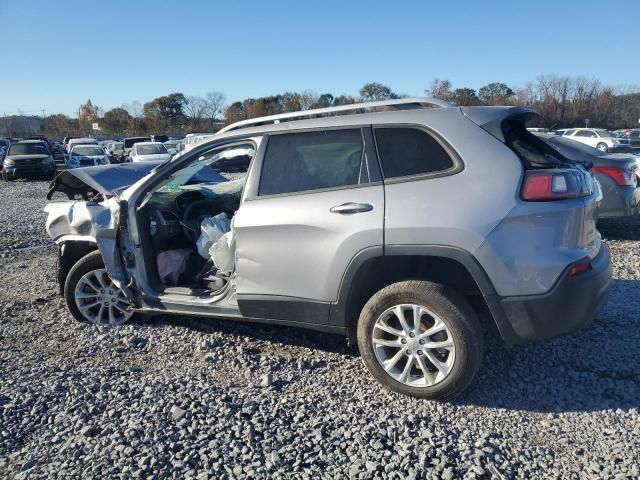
[562, 101]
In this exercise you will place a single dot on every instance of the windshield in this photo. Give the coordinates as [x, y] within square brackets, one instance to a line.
[202, 171]
[151, 149]
[578, 146]
[87, 151]
[28, 149]
[83, 141]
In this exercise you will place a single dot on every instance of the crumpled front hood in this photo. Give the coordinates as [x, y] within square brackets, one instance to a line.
[104, 179]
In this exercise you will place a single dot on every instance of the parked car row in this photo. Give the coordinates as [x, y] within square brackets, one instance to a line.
[627, 141]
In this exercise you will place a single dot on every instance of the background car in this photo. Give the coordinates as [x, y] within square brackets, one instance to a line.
[149, 151]
[634, 139]
[192, 139]
[115, 150]
[87, 156]
[172, 146]
[160, 138]
[80, 141]
[28, 159]
[599, 138]
[616, 172]
[3, 153]
[130, 142]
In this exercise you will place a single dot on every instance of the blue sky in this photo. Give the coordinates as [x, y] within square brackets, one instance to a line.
[59, 53]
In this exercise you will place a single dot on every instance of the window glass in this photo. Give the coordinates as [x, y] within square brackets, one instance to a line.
[409, 151]
[298, 162]
[570, 132]
[203, 174]
[585, 133]
[87, 151]
[28, 149]
[150, 149]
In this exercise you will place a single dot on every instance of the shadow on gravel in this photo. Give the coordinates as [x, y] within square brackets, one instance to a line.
[292, 336]
[620, 228]
[595, 369]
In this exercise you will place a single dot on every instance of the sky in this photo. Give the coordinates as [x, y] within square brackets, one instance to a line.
[57, 54]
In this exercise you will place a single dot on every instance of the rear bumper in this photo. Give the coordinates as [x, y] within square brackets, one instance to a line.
[620, 202]
[571, 304]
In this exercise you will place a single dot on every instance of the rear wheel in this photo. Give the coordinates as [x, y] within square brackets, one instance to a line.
[602, 146]
[91, 295]
[420, 339]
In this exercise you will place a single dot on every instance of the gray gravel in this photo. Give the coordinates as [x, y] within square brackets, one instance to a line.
[183, 398]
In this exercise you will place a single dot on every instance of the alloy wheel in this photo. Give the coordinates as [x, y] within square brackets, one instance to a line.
[413, 345]
[100, 301]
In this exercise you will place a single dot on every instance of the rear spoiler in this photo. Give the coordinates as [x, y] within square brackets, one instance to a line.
[491, 118]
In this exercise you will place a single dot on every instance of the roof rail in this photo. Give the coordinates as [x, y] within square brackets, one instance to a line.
[398, 103]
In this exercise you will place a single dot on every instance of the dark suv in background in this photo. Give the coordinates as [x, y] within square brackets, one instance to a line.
[28, 159]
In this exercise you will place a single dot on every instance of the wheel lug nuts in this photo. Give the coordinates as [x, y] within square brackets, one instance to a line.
[403, 341]
[408, 352]
[101, 291]
[412, 334]
[99, 298]
[419, 352]
[421, 342]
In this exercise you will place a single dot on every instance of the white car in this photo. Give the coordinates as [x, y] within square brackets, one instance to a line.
[81, 141]
[192, 139]
[597, 137]
[86, 156]
[149, 151]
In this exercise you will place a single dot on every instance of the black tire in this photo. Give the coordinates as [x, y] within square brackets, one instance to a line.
[602, 146]
[91, 261]
[459, 318]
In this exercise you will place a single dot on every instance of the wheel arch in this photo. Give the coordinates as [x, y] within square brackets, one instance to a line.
[69, 252]
[374, 268]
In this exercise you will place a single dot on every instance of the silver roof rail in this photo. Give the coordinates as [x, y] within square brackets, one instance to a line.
[398, 103]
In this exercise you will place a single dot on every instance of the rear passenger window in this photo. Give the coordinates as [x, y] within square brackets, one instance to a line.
[298, 162]
[409, 151]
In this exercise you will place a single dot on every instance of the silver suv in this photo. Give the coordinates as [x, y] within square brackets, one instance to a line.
[394, 223]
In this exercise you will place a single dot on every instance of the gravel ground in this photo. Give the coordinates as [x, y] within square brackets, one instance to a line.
[184, 398]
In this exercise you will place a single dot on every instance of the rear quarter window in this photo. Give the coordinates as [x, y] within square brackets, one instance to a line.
[407, 151]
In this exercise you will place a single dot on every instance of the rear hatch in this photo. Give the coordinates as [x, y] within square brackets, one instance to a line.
[549, 177]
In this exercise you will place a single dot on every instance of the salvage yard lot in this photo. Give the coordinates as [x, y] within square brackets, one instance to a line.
[182, 398]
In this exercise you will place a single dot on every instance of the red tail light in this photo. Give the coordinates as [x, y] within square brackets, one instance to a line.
[541, 185]
[617, 174]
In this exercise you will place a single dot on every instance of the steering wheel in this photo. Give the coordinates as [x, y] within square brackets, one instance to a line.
[191, 226]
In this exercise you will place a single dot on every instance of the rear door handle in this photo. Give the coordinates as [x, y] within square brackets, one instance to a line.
[351, 207]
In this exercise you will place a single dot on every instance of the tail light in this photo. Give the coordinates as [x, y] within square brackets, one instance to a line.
[557, 184]
[621, 176]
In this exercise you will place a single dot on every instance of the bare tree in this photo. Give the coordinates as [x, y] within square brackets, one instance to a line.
[440, 89]
[194, 109]
[215, 105]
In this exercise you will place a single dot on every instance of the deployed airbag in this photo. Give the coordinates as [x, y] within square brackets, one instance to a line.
[211, 229]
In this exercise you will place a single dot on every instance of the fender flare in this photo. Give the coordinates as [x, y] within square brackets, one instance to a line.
[338, 310]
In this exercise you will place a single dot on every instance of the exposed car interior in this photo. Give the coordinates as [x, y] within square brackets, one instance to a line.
[187, 223]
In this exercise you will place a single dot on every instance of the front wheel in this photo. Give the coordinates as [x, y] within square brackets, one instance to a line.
[91, 295]
[602, 146]
[421, 339]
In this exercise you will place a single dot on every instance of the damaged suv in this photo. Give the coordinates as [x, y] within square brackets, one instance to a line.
[399, 224]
